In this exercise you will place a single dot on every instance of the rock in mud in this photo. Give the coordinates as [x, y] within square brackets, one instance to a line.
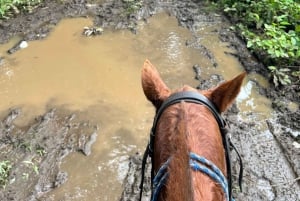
[85, 145]
[20, 45]
[197, 71]
[60, 179]
[92, 31]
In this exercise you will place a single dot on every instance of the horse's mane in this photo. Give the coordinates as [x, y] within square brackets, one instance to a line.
[174, 146]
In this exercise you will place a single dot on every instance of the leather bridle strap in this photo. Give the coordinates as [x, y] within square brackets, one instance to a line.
[191, 97]
[187, 96]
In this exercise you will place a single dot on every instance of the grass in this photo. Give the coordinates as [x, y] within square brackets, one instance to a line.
[5, 167]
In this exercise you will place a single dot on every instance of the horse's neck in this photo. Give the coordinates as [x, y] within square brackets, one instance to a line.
[204, 137]
[179, 184]
[171, 143]
[182, 130]
[205, 140]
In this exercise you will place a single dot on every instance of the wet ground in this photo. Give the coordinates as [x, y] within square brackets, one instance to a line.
[81, 120]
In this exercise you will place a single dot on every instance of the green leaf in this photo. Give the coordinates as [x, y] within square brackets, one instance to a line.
[297, 28]
[271, 52]
[249, 44]
[285, 80]
[284, 23]
[267, 26]
[275, 80]
[292, 54]
[293, 41]
[36, 169]
[296, 74]
[259, 43]
[277, 53]
[272, 68]
[268, 43]
[284, 70]
[229, 9]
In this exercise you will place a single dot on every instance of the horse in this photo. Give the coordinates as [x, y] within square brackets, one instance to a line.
[188, 149]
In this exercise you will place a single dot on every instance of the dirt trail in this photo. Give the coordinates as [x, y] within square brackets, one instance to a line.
[270, 159]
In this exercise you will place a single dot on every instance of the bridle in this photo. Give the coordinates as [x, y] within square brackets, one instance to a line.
[193, 97]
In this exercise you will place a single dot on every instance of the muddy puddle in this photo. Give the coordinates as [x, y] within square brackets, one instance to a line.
[98, 78]
[225, 64]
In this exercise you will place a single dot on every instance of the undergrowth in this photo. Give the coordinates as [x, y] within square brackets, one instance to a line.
[272, 31]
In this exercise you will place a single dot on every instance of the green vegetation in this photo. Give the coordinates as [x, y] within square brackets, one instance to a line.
[10, 7]
[132, 6]
[5, 167]
[40, 150]
[279, 75]
[272, 30]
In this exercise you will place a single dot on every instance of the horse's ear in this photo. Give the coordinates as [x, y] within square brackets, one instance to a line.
[224, 94]
[154, 88]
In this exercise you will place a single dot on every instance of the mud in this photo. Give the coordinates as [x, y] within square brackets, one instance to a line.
[38, 24]
[271, 160]
[37, 151]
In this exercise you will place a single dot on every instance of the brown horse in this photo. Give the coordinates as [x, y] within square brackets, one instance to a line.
[186, 127]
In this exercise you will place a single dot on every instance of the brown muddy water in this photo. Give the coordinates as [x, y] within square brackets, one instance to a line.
[98, 78]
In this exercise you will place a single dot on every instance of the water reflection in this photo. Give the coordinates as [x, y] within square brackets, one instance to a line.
[245, 95]
[172, 46]
[250, 101]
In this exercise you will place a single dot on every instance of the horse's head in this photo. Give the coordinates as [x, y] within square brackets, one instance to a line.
[184, 128]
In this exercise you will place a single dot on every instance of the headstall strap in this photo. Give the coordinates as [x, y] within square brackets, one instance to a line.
[192, 97]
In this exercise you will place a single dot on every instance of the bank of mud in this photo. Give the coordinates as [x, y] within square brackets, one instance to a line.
[270, 159]
[35, 152]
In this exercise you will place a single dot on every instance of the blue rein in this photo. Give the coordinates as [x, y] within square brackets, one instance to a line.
[210, 170]
[197, 163]
[160, 180]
